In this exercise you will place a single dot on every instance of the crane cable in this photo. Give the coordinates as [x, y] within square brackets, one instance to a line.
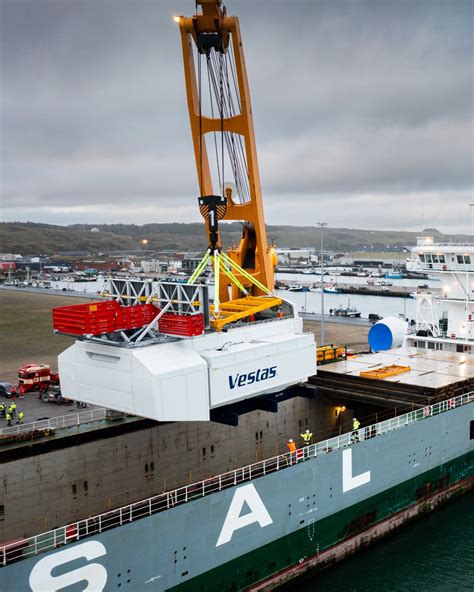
[212, 114]
[237, 156]
[222, 117]
[198, 56]
[200, 123]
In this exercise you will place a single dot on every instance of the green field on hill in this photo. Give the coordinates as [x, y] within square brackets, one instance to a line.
[28, 238]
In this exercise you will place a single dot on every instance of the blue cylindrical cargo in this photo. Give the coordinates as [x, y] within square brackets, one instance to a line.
[387, 334]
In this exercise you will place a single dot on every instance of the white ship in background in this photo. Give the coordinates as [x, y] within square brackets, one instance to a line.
[444, 321]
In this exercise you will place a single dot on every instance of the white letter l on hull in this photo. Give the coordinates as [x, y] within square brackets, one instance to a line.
[348, 480]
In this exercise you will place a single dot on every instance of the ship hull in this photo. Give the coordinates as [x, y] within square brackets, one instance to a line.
[352, 544]
[265, 532]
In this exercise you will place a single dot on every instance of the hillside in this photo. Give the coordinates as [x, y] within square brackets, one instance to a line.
[29, 238]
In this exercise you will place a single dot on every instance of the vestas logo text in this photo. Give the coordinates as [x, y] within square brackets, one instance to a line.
[251, 377]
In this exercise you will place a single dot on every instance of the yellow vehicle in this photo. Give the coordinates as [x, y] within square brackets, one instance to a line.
[325, 354]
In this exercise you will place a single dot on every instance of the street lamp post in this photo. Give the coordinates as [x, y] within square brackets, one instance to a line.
[321, 226]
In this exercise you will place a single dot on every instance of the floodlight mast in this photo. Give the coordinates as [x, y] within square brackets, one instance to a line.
[216, 36]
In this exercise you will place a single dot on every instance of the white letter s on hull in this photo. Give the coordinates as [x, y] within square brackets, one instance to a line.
[95, 574]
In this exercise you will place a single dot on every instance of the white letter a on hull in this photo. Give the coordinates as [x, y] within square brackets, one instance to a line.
[233, 521]
[348, 481]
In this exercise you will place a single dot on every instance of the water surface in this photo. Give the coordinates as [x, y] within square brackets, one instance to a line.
[433, 554]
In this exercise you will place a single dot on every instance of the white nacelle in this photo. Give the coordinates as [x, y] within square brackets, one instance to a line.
[183, 380]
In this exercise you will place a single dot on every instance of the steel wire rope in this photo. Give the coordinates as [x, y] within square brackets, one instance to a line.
[237, 166]
[212, 68]
[244, 192]
[226, 134]
[200, 120]
[218, 96]
[241, 165]
[245, 195]
[239, 137]
[222, 117]
[212, 113]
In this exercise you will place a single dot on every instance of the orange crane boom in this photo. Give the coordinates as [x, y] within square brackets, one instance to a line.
[214, 36]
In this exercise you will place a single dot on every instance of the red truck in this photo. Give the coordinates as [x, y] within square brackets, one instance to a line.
[36, 377]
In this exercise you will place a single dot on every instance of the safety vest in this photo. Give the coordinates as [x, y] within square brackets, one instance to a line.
[21, 415]
[13, 406]
[2, 406]
[355, 424]
[291, 446]
[8, 416]
[307, 437]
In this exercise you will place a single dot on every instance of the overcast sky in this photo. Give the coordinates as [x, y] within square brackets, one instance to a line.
[363, 111]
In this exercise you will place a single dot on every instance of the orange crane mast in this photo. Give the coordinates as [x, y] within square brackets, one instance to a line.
[215, 36]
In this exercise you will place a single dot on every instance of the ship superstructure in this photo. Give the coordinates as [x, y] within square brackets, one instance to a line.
[446, 321]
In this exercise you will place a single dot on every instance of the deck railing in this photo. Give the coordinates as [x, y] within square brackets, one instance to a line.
[64, 421]
[83, 528]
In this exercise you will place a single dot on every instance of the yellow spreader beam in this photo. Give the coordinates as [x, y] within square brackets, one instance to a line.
[234, 310]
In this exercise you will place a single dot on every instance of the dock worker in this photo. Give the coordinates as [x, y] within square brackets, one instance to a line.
[355, 427]
[12, 409]
[22, 391]
[307, 437]
[8, 417]
[291, 445]
[21, 416]
[3, 409]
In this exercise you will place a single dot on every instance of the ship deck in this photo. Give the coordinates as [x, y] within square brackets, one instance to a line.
[434, 376]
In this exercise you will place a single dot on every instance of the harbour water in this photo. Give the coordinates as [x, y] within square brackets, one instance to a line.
[383, 305]
[433, 554]
[308, 301]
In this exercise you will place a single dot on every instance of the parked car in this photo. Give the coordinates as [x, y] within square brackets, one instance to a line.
[7, 390]
[53, 395]
[374, 317]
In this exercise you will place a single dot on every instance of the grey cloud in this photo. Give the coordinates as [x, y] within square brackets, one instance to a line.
[351, 99]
